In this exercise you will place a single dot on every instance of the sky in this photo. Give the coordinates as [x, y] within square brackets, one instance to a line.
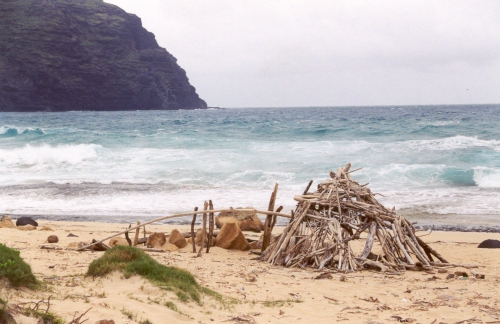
[291, 53]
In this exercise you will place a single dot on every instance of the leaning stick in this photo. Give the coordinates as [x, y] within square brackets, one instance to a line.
[186, 214]
[269, 220]
[192, 229]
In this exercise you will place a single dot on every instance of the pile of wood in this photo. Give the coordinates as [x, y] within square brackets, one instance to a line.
[326, 223]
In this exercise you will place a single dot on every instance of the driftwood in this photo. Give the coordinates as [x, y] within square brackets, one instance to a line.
[326, 221]
[211, 223]
[181, 215]
[204, 229]
[137, 230]
[192, 229]
[268, 224]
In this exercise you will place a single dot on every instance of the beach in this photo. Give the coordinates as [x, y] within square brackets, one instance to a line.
[257, 292]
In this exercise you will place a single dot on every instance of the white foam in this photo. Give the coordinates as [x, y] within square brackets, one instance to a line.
[487, 177]
[446, 144]
[45, 154]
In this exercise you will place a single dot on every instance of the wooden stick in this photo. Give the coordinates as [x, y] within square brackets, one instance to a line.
[126, 236]
[185, 214]
[269, 219]
[137, 230]
[369, 240]
[307, 188]
[210, 225]
[204, 229]
[192, 230]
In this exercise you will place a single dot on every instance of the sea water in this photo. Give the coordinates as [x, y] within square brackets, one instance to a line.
[435, 164]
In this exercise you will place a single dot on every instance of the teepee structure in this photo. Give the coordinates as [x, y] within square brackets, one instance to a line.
[339, 213]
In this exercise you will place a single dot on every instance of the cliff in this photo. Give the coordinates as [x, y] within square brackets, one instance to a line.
[58, 55]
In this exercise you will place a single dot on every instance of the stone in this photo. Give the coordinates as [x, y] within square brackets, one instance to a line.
[46, 228]
[247, 221]
[231, 237]
[190, 240]
[117, 241]
[177, 239]
[72, 235]
[489, 244]
[105, 322]
[255, 245]
[170, 247]
[6, 222]
[85, 55]
[26, 221]
[156, 240]
[52, 239]
[27, 228]
[198, 238]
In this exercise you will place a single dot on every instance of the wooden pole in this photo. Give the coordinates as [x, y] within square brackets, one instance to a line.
[204, 230]
[137, 230]
[210, 225]
[269, 220]
[192, 229]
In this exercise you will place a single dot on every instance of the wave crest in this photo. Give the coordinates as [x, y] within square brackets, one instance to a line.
[46, 154]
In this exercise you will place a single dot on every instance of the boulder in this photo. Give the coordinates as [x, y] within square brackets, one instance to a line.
[52, 239]
[489, 244]
[156, 240]
[177, 239]
[247, 221]
[199, 237]
[117, 241]
[27, 228]
[231, 237]
[6, 222]
[26, 221]
[169, 247]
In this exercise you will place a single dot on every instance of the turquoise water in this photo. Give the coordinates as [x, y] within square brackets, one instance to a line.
[431, 162]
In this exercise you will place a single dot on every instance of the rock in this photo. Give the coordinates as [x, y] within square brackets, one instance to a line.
[156, 240]
[190, 240]
[198, 238]
[255, 245]
[489, 244]
[6, 222]
[169, 247]
[72, 235]
[117, 241]
[27, 228]
[247, 221]
[52, 239]
[231, 237]
[85, 55]
[105, 322]
[177, 239]
[26, 221]
[46, 228]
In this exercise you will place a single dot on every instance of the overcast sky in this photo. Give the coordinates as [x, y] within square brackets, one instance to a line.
[281, 53]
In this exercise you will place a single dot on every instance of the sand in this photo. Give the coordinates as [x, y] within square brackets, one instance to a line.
[264, 293]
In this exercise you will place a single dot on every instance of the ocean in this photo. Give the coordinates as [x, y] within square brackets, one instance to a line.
[438, 165]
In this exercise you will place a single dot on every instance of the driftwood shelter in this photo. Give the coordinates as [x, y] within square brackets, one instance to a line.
[328, 220]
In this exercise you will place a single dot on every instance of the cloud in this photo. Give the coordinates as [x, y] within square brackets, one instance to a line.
[299, 53]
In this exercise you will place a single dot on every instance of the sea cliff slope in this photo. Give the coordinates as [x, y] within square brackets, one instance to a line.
[58, 55]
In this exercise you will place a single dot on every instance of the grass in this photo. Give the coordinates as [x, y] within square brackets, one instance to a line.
[5, 318]
[132, 261]
[17, 272]
[280, 302]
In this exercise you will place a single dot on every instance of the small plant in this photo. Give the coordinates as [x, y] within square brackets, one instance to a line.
[146, 322]
[132, 261]
[5, 317]
[128, 313]
[15, 270]
[280, 302]
[47, 316]
[171, 306]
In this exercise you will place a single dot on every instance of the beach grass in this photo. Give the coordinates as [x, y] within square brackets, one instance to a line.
[13, 268]
[132, 261]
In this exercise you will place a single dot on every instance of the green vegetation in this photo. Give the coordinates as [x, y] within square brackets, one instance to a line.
[5, 318]
[132, 261]
[14, 269]
[280, 302]
[48, 317]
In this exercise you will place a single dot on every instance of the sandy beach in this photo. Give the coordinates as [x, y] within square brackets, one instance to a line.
[259, 292]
